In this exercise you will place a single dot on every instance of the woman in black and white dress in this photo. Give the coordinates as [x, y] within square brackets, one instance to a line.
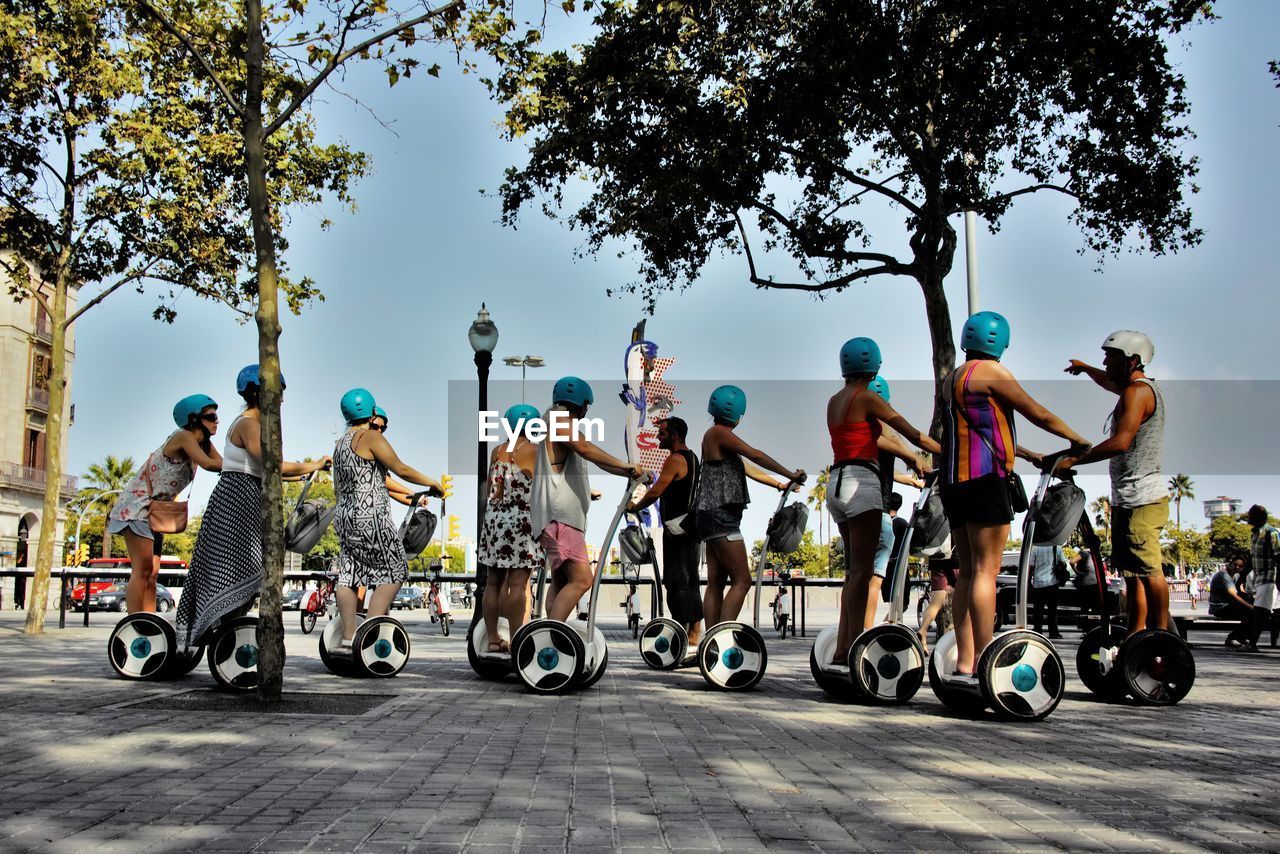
[372, 553]
[226, 569]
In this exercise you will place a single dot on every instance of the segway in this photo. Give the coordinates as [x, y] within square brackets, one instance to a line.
[497, 665]
[887, 661]
[1019, 675]
[663, 642]
[1154, 667]
[380, 646]
[144, 646]
[732, 655]
[551, 656]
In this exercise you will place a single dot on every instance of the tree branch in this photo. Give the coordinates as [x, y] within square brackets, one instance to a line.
[200, 59]
[339, 58]
[1035, 188]
[132, 277]
[894, 268]
[816, 252]
[854, 178]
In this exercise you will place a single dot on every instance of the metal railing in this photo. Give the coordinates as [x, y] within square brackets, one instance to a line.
[27, 477]
[38, 398]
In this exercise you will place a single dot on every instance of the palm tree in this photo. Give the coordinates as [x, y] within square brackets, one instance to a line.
[1180, 487]
[110, 475]
[818, 498]
[1101, 508]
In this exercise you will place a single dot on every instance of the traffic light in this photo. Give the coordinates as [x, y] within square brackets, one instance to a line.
[455, 528]
[446, 485]
[81, 556]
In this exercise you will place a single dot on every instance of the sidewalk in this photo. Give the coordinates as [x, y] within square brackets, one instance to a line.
[642, 761]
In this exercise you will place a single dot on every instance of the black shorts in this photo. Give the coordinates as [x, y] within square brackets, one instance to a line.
[984, 501]
[680, 577]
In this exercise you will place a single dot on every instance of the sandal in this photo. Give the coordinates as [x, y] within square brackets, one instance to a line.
[504, 646]
[496, 646]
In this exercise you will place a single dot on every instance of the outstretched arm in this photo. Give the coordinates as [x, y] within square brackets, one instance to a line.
[1098, 375]
[732, 442]
[672, 466]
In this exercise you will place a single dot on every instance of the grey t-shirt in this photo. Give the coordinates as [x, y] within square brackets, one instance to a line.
[1221, 586]
[1135, 475]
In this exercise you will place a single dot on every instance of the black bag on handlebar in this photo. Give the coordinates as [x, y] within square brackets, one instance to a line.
[308, 522]
[1059, 514]
[787, 527]
[416, 531]
[635, 545]
[929, 528]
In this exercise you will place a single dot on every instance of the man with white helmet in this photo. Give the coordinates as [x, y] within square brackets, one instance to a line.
[1139, 494]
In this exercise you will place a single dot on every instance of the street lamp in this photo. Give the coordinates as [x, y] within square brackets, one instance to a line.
[522, 364]
[483, 336]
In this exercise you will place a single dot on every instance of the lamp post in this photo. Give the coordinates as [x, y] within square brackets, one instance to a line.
[483, 336]
[522, 364]
[62, 609]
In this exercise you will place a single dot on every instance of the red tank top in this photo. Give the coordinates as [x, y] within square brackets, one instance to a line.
[854, 440]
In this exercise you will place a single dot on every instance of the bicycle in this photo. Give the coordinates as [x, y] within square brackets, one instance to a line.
[781, 604]
[438, 606]
[321, 601]
[630, 603]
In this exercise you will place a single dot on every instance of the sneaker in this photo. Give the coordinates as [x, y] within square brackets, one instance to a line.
[1232, 643]
[1248, 647]
[967, 680]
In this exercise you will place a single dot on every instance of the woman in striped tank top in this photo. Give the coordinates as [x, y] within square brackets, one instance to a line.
[979, 442]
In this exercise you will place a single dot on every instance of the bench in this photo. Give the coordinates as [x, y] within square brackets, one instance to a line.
[1186, 622]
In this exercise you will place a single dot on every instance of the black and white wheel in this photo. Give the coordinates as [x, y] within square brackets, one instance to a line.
[308, 620]
[592, 673]
[959, 697]
[122, 606]
[1097, 663]
[732, 656]
[141, 646]
[663, 644]
[886, 663]
[233, 654]
[488, 665]
[1157, 667]
[833, 680]
[339, 664]
[163, 606]
[549, 656]
[1022, 676]
[381, 647]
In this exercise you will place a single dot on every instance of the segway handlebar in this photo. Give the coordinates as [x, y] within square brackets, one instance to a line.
[1048, 469]
[764, 552]
[896, 605]
[602, 556]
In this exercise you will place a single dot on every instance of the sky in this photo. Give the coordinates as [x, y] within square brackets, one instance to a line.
[405, 275]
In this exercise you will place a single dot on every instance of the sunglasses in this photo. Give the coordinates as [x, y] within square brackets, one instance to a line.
[381, 428]
[211, 417]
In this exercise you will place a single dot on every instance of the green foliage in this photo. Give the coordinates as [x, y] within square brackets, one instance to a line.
[322, 488]
[1185, 546]
[110, 475]
[813, 558]
[456, 559]
[184, 545]
[1228, 538]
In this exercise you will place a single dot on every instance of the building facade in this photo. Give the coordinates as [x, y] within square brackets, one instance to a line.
[26, 337]
[1222, 506]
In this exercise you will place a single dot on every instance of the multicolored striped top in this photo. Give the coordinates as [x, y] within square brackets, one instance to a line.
[965, 455]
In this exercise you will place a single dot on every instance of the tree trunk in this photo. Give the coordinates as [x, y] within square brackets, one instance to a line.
[270, 620]
[106, 539]
[37, 600]
[935, 248]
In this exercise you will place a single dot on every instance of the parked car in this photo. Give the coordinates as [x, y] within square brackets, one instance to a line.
[75, 600]
[292, 600]
[408, 598]
[1072, 601]
[113, 599]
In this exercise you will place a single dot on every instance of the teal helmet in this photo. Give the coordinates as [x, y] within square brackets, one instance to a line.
[191, 405]
[728, 402]
[572, 390]
[859, 356]
[880, 386]
[357, 405]
[251, 375]
[518, 413]
[985, 332]
[379, 412]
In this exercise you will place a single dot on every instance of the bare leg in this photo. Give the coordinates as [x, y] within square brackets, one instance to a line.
[577, 580]
[861, 536]
[734, 555]
[713, 596]
[937, 598]
[348, 602]
[874, 585]
[140, 595]
[1135, 593]
[491, 605]
[515, 601]
[1156, 589]
[383, 596]
[983, 548]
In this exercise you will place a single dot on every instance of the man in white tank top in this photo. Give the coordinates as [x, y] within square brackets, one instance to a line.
[1139, 494]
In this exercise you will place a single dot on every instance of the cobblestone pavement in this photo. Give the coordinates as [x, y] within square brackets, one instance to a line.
[643, 761]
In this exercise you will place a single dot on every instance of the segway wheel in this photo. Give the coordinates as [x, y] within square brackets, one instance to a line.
[233, 655]
[835, 683]
[602, 661]
[1022, 676]
[732, 657]
[1091, 659]
[338, 663]
[1157, 667]
[663, 644]
[955, 697]
[886, 663]
[380, 647]
[487, 667]
[549, 656]
[308, 621]
[141, 645]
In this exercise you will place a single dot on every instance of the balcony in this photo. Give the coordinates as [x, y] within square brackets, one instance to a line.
[31, 479]
[38, 399]
[44, 330]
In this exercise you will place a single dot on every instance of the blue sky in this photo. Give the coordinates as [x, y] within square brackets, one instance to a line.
[405, 275]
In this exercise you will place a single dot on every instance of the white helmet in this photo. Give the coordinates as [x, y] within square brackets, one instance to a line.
[1131, 344]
